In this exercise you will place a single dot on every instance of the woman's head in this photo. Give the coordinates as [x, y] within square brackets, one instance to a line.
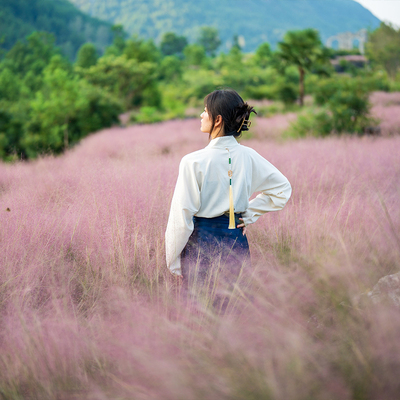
[227, 110]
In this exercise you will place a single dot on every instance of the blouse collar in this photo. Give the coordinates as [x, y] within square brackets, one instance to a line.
[223, 141]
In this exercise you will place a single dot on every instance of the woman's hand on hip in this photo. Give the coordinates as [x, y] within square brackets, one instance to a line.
[242, 225]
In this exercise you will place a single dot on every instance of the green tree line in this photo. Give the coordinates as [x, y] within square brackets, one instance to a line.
[48, 103]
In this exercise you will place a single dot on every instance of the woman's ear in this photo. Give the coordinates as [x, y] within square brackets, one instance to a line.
[218, 121]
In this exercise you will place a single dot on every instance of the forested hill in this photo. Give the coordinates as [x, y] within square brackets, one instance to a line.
[256, 21]
[70, 26]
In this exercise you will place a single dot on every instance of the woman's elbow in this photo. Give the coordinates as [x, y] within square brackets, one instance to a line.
[284, 194]
[288, 191]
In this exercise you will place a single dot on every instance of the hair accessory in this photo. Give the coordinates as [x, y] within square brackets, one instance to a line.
[245, 121]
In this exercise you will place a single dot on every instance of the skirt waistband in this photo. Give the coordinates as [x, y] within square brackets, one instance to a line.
[221, 222]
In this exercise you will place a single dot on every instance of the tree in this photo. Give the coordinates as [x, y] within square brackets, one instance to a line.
[383, 47]
[31, 55]
[302, 49]
[209, 39]
[171, 68]
[194, 54]
[9, 85]
[119, 43]
[87, 55]
[66, 109]
[235, 43]
[263, 55]
[172, 44]
[126, 79]
[141, 50]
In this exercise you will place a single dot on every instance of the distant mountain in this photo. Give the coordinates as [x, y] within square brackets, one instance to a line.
[71, 27]
[256, 21]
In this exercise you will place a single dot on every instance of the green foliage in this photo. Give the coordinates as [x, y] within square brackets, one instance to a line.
[87, 56]
[345, 109]
[311, 123]
[147, 115]
[12, 118]
[9, 85]
[31, 55]
[260, 92]
[173, 105]
[288, 94]
[142, 50]
[124, 78]
[209, 39]
[119, 37]
[65, 110]
[235, 44]
[118, 44]
[70, 27]
[44, 105]
[198, 83]
[171, 68]
[195, 55]
[263, 55]
[47, 104]
[350, 108]
[172, 44]
[327, 89]
[304, 50]
[383, 48]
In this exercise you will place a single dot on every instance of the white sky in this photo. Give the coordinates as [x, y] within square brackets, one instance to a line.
[385, 10]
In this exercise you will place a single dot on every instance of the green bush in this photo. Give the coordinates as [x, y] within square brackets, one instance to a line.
[65, 110]
[288, 94]
[259, 92]
[347, 99]
[311, 123]
[124, 78]
[147, 115]
[395, 86]
[13, 117]
[198, 83]
[277, 107]
[350, 111]
[324, 90]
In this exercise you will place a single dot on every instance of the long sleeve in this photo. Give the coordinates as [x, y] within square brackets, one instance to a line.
[185, 204]
[274, 187]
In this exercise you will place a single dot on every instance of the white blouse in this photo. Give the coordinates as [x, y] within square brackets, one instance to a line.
[202, 189]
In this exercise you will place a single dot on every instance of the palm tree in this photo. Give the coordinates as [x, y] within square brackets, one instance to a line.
[302, 49]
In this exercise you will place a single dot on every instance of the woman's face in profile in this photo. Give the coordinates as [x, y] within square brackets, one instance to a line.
[205, 121]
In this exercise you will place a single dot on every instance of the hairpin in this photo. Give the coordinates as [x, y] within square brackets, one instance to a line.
[248, 124]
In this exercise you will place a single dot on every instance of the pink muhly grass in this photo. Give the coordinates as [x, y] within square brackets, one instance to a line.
[89, 311]
[272, 127]
[385, 98]
[388, 117]
[386, 109]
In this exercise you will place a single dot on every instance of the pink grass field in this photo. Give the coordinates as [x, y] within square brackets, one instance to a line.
[89, 311]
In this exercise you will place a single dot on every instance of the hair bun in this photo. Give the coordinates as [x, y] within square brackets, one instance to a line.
[242, 116]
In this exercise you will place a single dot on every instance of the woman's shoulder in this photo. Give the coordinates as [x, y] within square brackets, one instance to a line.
[249, 151]
[195, 156]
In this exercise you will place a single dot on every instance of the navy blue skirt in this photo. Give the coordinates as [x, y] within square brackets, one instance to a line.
[214, 252]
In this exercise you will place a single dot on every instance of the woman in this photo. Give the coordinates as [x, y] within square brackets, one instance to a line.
[210, 208]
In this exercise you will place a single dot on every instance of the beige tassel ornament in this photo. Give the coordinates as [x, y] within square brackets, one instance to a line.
[231, 207]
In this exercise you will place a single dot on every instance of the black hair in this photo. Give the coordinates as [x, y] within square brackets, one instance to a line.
[233, 110]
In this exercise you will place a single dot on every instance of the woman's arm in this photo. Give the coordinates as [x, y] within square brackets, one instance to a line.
[185, 204]
[274, 187]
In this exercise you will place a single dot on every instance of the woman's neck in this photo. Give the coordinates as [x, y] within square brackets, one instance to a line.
[216, 134]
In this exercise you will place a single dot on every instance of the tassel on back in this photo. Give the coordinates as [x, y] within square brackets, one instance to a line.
[231, 210]
[231, 206]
